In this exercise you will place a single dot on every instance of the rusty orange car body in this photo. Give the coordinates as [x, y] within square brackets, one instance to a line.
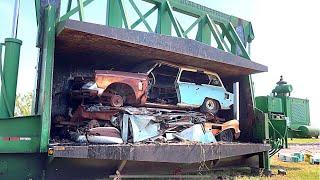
[131, 87]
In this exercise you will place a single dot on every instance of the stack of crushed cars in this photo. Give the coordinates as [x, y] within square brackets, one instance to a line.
[102, 122]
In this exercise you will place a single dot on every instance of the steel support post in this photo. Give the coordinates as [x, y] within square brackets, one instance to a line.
[9, 77]
[164, 24]
[47, 73]
[114, 16]
[264, 162]
[204, 32]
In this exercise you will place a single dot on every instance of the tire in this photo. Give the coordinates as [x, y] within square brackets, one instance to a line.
[116, 101]
[210, 106]
[226, 136]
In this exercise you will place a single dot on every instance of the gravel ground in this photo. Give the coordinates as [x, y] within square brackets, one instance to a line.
[313, 148]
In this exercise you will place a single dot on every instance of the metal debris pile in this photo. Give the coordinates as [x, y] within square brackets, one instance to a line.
[93, 119]
[109, 125]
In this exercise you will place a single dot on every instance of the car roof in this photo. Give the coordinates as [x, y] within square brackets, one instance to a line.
[185, 67]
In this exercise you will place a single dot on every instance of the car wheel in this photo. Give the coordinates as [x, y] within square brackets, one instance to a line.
[116, 101]
[226, 136]
[210, 106]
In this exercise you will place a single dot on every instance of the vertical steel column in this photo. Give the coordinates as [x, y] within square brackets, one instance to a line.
[164, 24]
[264, 162]
[47, 74]
[114, 16]
[9, 77]
[204, 32]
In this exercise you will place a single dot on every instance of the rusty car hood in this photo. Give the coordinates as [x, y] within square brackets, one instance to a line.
[140, 76]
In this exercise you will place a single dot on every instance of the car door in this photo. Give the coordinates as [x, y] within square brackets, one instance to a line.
[189, 87]
[215, 90]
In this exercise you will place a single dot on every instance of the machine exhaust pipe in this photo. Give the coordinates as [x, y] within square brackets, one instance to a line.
[9, 70]
[15, 19]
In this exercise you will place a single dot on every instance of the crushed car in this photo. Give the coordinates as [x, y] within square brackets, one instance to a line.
[155, 101]
[157, 83]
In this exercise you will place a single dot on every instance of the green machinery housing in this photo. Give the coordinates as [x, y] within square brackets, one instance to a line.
[24, 141]
[288, 116]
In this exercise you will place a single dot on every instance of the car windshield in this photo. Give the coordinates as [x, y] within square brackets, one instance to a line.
[214, 80]
[144, 67]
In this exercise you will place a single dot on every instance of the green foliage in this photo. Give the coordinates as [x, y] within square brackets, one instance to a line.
[23, 104]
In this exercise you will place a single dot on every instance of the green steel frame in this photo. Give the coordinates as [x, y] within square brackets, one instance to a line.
[209, 22]
[27, 134]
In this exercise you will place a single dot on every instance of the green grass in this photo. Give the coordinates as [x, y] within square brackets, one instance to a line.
[303, 140]
[295, 171]
[301, 170]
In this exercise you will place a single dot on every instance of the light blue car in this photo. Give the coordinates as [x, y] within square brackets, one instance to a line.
[185, 86]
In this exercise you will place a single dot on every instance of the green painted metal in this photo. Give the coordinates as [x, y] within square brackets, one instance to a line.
[20, 134]
[297, 110]
[282, 89]
[193, 25]
[123, 14]
[261, 126]
[204, 32]
[9, 77]
[147, 14]
[21, 166]
[140, 15]
[114, 15]
[174, 20]
[215, 32]
[278, 133]
[74, 10]
[47, 70]
[37, 8]
[69, 5]
[264, 162]
[81, 12]
[164, 24]
[270, 128]
[237, 41]
[269, 104]
[208, 21]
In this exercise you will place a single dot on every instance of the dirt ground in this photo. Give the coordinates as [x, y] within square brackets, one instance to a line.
[313, 148]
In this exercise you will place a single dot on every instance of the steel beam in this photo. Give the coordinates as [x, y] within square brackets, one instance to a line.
[76, 38]
[204, 32]
[47, 70]
[171, 153]
[164, 22]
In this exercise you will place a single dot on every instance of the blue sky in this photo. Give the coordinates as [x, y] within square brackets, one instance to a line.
[286, 40]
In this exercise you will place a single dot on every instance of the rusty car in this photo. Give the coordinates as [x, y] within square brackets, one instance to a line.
[119, 88]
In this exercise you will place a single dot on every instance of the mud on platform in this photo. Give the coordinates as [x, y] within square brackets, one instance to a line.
[161, 152]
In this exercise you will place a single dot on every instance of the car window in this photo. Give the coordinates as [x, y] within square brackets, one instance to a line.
[194, 77]
[214, 80]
